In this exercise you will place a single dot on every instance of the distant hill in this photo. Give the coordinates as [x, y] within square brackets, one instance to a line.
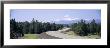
[75, 21]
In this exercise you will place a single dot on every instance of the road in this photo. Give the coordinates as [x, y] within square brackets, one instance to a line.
[59, 34]
[46, 36]
[53, 34]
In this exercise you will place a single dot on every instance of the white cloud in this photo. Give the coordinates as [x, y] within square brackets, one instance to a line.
[66, 17]
[87, 19]
[75, 19]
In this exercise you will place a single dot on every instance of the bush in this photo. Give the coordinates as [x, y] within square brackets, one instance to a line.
[83, 29]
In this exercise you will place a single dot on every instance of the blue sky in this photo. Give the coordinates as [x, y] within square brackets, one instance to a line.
[49, 15]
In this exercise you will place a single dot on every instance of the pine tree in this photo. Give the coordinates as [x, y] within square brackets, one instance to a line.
[93, 26]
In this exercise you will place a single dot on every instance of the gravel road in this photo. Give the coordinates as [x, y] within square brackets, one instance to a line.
[46, 36]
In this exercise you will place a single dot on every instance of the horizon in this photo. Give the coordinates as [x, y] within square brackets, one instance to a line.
[55, 15]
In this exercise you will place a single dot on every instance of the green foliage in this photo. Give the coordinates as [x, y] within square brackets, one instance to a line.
[33, 27]
[84, 29]
[16, 29]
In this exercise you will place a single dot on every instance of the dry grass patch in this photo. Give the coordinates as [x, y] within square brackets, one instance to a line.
[31, 36]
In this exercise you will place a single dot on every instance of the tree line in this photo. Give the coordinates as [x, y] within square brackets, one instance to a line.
[18, 29]
[82, 28]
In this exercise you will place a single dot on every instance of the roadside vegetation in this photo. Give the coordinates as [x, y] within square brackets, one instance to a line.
[30, 30]
[83, 29]
[18, 29]
[30, 36]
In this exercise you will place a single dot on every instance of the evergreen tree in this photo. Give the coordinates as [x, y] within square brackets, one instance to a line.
[18, 29]
[84, 29]
[93, 26]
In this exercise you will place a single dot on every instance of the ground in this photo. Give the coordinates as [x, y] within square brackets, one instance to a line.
[70, 34]
[31, 36]
[60, 34]
[38, 36]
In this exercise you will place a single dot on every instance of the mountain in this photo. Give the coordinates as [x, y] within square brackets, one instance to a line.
[75, 21]
[96, 20]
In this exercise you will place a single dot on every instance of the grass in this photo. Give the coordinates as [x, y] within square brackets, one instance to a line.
[94, 36]
[90, 36]
[31, 36]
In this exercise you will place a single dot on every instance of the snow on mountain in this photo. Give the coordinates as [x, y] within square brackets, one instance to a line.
[69, 20]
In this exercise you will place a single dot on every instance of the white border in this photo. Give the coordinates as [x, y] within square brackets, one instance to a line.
[102, 41]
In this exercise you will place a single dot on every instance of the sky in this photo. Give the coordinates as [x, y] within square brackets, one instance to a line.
[51, 15]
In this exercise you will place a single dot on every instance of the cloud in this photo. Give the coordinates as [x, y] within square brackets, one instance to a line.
[75, 19]
[66, 17]
[87, 19]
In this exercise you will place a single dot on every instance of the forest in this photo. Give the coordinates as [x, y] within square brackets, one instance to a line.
[83, 29]
[18, 29]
